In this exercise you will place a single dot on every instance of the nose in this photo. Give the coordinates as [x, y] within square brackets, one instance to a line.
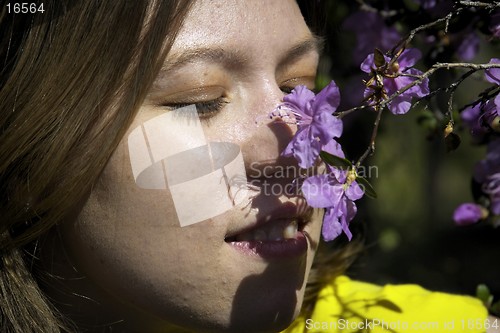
[266, 138]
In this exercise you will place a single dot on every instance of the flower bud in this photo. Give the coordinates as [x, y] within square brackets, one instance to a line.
[395, 67]
[495, 124]
[448, 129]
[469, 213]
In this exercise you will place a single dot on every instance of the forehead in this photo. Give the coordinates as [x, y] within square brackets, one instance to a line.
[247, 25]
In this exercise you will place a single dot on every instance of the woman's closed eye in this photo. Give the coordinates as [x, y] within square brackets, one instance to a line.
[206, 109]
[290, 84]
[208, 100]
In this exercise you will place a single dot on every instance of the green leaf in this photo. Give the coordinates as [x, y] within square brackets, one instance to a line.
[379, 58]
[483, 293]
[336, 161]
[495, 309]
[369, 191]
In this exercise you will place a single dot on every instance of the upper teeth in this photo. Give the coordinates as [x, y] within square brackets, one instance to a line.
[270, 232]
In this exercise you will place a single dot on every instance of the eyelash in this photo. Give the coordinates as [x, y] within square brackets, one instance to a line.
[208, 109]
[287, 90]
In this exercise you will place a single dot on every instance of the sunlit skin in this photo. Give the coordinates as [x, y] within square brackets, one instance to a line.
[236, 59]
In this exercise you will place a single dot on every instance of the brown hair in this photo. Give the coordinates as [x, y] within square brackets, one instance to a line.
[72, 80]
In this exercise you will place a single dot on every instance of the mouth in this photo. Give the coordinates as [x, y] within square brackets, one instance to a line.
[276, 238]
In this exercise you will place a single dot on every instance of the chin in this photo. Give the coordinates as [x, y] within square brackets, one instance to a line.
[267, 302]
[263, 303]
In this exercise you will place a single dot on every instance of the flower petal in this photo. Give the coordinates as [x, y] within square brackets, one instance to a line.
[471, 118]
[419, 90]
[326, 127]
[493, 75]
[344, 222]
[400, 104]
[289, 148]
[408, 58]
[469, 46]
[495, 205]
[305, 149]
[368, 63]
[320, 193]
[301, 97]
[334, 148]
[331, 227]
[328, 96]
[351, 210]
[354, 191]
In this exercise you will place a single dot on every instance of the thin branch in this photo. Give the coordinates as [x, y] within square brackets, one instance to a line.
[371, 148]
[341, 114]
[432, 70]
[484, 96]
[407, 40]
[486, 5]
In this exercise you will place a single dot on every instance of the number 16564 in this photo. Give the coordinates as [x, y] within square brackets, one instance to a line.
[24, 8]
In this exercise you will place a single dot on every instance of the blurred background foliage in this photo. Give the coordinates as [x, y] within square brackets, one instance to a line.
[409, 233]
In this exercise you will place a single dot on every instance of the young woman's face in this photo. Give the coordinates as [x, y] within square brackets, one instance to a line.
[235, 60]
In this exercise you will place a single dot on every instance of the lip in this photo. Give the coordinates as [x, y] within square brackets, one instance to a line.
[288, 211]
[286, 248]
[270, 249]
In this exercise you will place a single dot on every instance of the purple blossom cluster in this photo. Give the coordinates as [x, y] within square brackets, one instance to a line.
[396, 74]
[336, 190]
[394, 83]
[487, 176]
[483, 121]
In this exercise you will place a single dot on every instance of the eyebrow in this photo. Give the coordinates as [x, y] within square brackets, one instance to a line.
[312, 44]
[233, 58]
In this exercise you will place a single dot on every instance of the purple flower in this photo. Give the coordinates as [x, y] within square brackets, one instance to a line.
[394, 79]
[492, 188]
[484, 117]
[493, 74]
[495, 24]
[316, 124]
[490, 165]
[468, 47]
[336, 192]
[468, 213]
[487, 173]
[479, 119]
[371, 32]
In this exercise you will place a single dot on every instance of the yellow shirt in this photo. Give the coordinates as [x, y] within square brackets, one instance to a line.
[351, 306]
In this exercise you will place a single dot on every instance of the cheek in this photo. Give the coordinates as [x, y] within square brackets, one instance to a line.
[126, 236]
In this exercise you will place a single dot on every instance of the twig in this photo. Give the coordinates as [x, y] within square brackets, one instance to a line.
[371, 148]
[341, 114]
[486, 5]
[432, 70]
